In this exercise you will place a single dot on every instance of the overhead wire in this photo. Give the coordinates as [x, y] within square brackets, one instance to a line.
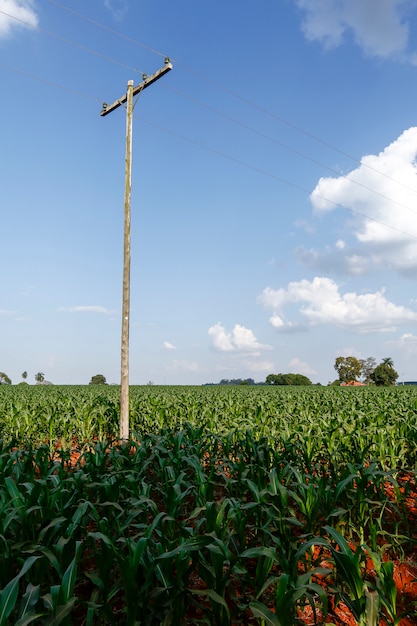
[71, 43]
[278, 178]
[75, 92]
[199, 102]
[233, 94]
[221, 154]
[108, 29]
[291, 149]
[243, 163]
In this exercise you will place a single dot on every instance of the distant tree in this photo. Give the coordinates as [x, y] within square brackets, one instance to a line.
[300, 379]
[24, 375]
[4, 379]
[237, 381]
[388, 361]
[384, 375]
[287, 379]
[274, 379]
[367, 368]
[98, 379]
[39, 377]
[348, 368]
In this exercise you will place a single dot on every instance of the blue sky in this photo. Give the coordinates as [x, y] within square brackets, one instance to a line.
[274, 188]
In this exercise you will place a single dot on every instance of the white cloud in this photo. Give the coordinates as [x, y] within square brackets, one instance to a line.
[379, 27]
[16, 14]
[184, 366]
[256, 366]
[87, 309]
[322, 303]
[382, 194]
[6, 312]
[348, 351]
[241, 339]
[289, 327]
[407, 342]
[297, 366]
[168, 346]
[340, 260]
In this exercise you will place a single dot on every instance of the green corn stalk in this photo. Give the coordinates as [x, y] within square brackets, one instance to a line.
[60, 600]
[361, 601]
[27, 607]
[9, 594]
[385, 588]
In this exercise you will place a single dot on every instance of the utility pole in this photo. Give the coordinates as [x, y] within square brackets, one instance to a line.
[128, 99]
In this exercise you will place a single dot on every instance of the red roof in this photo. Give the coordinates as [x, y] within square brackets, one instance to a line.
[353, 383]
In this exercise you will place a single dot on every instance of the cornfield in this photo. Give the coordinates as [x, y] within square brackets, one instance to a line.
[242, 505]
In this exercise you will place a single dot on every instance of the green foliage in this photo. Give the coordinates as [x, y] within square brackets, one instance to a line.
[98, 379]
[384, 375]
[367, 368]
[237, 381]
[218, 504]
[349, 368]
[4, 379]
[287, 379]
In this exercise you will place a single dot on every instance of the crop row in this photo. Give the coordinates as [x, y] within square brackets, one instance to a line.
[190, 527]
[228, 506]
[329, 421]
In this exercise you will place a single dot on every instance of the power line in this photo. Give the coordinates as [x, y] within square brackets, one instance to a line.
[221, 154]
[76, 92]
[216, 111]
[289, 148]
[202, 104]
[73, 43]
[235, 95]
[108, 29]
[282, 180]
[278, 178]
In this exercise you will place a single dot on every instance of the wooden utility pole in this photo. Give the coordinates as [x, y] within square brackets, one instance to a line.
[128, 99]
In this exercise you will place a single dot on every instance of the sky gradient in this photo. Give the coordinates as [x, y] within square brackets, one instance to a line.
[274, 188]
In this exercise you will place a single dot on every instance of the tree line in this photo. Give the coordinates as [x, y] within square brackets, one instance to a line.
[367, 371]
[5, 380]
[349, 369]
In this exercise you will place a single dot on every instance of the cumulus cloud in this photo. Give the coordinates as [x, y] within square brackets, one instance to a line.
[321, 303]
[407, 342]
[382, 194]
[16, 14]
[87, 309]
[297, 366]
[255, 367]
[241, 339]
[340, 260]
[168, 346]
[184, 366]
[379, 27]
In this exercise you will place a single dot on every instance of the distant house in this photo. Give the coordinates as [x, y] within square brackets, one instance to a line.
[353, 383]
